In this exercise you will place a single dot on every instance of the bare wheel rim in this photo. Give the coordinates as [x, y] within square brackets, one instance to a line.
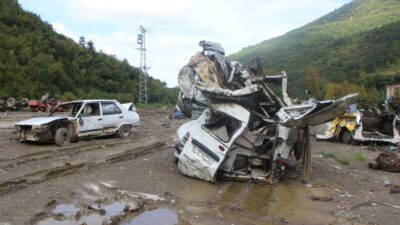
[125, 130]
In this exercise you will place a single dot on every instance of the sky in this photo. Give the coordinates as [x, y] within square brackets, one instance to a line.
[175, 27]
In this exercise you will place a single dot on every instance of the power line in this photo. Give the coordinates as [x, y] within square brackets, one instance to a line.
[143, 90]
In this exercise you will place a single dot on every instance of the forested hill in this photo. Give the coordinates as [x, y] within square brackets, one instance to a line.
[354, 48]
[34, 59]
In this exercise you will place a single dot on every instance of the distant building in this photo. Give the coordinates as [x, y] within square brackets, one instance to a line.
[392, 91]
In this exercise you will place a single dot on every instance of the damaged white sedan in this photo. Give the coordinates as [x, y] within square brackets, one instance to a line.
[79, 119]
[245, 131]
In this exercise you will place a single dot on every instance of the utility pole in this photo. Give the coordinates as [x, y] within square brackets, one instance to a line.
[143, 90]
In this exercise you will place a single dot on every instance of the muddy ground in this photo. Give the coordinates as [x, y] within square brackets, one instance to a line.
[134, 181]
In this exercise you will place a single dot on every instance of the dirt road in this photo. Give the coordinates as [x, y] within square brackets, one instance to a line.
[134, 181]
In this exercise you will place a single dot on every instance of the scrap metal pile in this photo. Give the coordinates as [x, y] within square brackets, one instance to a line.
[45, 104]
[12, 104]
[240, 128]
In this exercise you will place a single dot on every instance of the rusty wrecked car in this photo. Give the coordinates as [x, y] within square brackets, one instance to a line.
[240, 128]
[357, 126]
[80, 119]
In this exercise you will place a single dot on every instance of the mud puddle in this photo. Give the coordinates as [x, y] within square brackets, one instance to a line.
[124, 213]
[108, 205]
[67, 210]
[69, 214]
[288, 201]
[160, 216]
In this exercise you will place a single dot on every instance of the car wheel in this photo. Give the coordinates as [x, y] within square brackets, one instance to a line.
[347, 138]
[123, 131]
[11, 102]
[25, 102]
[62, 137]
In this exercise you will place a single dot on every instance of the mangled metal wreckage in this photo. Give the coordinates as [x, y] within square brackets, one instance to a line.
[240, 129]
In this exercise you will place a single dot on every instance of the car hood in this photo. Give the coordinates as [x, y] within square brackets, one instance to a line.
[39, 120]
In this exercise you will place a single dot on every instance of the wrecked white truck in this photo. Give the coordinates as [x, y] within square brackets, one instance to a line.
[243, 131]
[79, 119]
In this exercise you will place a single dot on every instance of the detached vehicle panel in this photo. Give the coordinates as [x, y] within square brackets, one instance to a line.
[79, 119]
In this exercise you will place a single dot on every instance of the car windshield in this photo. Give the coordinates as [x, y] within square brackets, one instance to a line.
[67, 109]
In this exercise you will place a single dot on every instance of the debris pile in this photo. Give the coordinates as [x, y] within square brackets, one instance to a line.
[12, 104]
[45, 104]
[241, 129]
[386, 161]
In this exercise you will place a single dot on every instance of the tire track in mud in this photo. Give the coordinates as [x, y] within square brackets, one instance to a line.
[59, 152]
[24, 181]
[78, 154]
[43, 163]
[78, 147]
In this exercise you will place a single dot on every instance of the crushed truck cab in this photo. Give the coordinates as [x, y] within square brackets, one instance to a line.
[241, 129]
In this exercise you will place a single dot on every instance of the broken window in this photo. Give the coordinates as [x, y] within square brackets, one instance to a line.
[91, 109]
[223, 127]
[378, 125]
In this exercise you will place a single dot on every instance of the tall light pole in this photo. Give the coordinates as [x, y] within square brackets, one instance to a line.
[143, 90]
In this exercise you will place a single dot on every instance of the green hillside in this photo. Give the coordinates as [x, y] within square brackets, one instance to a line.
[34, 59]
[359, 42]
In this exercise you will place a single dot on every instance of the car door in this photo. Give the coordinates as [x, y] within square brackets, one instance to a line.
[208, 145]
[90, 119]
[112, 116]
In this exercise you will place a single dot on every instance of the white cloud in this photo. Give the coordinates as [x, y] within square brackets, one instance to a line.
[176, 26]
[166, 54]
[62, 29]
[101, 9]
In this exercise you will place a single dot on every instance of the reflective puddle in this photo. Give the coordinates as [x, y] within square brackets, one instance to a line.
[114, 213]
[241, 203]
[67, 210]
[94, 215]
[158, 216]
[287, 199]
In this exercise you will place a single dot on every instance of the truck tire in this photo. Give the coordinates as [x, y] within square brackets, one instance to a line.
[62, 137]
[123, 131]
[25, 102]
[347, 137]
[11, 102]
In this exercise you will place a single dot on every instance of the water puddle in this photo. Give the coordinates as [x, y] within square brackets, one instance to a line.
[199, 192]
[287, 199]
[114, 213]
[103, 203]
[67, 210]
[94, 215]
[158, 216]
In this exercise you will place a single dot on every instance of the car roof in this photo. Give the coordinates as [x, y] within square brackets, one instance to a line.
[94, 100]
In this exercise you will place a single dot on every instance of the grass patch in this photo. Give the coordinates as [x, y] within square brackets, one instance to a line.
[344, 162]
[328, 154]
[360, 157]
[332, 155]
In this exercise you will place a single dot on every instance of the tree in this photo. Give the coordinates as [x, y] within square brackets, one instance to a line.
[332, 91]
[312, 82]
[82, 41]
[90, 46]
[35, 59]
